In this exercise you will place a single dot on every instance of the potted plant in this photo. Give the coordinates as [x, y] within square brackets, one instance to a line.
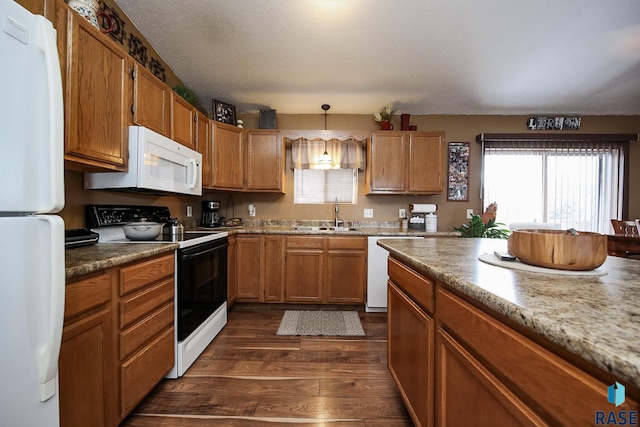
[484, 226]
[384, 117]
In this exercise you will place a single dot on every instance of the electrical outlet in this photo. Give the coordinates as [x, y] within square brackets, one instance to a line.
[402, 213]
[469, 213]
[189, 211]
[368, 213]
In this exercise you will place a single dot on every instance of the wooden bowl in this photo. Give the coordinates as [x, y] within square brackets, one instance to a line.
[559, 249]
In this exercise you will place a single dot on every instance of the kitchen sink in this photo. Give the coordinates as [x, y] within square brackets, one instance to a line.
[309, 228]
[314, 228]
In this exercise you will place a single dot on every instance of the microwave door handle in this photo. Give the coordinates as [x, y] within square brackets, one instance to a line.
[194, 170]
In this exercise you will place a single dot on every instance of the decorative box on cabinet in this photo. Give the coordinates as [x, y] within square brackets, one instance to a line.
[96, 96]
[406, 163]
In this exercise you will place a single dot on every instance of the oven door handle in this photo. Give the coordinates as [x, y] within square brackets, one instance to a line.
[191, 255]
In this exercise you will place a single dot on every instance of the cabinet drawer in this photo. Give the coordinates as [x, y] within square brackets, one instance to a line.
[417, 287]
[86, 294]
[139, 333]
[540, 374]
[348, 243]
[145, 369]
[144, 273]
[138, 305]
[305, 242]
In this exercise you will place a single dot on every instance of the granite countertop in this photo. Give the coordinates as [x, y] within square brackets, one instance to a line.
[594, 317]
[89, 259]
[359, 231]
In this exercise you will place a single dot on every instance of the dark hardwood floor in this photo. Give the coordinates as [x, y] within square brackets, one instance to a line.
[249, 376]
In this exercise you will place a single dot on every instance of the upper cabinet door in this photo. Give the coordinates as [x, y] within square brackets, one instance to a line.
[426, 162]
[265, 160]
[97, 97]
[386, 154]
[228, 157]
[182, 121]
[203, 146]
[150, 101]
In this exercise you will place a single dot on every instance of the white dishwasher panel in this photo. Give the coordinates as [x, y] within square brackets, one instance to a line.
[377, 274]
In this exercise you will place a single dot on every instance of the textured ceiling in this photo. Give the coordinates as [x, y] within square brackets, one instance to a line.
[425, 56]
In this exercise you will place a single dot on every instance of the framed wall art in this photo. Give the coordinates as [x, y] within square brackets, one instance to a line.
[458, 188]
[224, 113]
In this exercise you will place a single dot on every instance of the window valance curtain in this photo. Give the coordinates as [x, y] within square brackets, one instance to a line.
[345, 154]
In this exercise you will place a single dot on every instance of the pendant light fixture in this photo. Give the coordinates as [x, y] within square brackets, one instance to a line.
[324, 162]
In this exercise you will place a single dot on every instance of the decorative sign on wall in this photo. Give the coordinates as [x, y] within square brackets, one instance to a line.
[553, 123]
[458, 190]
[224, 113]
[112, 24]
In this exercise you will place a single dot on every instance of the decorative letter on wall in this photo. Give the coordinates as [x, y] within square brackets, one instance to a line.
[458, 190]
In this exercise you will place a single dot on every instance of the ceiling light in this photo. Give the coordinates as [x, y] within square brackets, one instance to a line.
[324, 162]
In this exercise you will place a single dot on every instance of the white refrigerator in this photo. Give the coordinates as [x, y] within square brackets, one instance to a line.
[32, 238]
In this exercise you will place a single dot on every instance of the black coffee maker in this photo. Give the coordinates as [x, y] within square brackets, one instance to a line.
[210, 217]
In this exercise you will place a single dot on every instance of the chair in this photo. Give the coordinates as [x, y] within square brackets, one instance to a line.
[533, 226]
[627, 228]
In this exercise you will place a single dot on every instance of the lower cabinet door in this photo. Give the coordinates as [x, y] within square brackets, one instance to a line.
[410, 354]
[469, 395]
[87, 372]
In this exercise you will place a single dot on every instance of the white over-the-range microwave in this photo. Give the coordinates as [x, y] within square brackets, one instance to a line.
[156, 164]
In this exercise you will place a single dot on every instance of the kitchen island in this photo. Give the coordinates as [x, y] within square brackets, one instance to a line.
[524, 331]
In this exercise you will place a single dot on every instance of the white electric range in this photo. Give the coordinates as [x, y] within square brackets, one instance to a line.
[200, 278]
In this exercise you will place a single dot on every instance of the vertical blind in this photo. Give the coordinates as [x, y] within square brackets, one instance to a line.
[577, 184]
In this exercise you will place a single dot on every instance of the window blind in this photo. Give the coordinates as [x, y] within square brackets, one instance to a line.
[576, 183]
[324, 186]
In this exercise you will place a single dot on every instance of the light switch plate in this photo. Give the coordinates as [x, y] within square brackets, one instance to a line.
[368, 213]
[401, 213]
[189, 211]
[469, 213]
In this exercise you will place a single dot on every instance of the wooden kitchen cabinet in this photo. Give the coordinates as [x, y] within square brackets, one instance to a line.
[183, 121]
[227, 157]
[324, 270]
[406, 163]
[97, 97]
[411, 340]
[251, 161]
[304, 267]
[151, 98]
[488, 371]
[203, 146]
[146, 328]
[259, 268]
[272, 260]
[346, 263]
[248, 268]
[45, 8]
[87, 363]
[265, 163]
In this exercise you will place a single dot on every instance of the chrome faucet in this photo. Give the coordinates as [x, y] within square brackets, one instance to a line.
[337, 209]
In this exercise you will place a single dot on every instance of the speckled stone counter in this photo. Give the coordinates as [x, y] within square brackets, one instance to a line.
[363, 231]
[594, 317]
[89, 259]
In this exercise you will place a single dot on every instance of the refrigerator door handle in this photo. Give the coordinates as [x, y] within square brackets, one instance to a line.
[45, 40]
[50, 351]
